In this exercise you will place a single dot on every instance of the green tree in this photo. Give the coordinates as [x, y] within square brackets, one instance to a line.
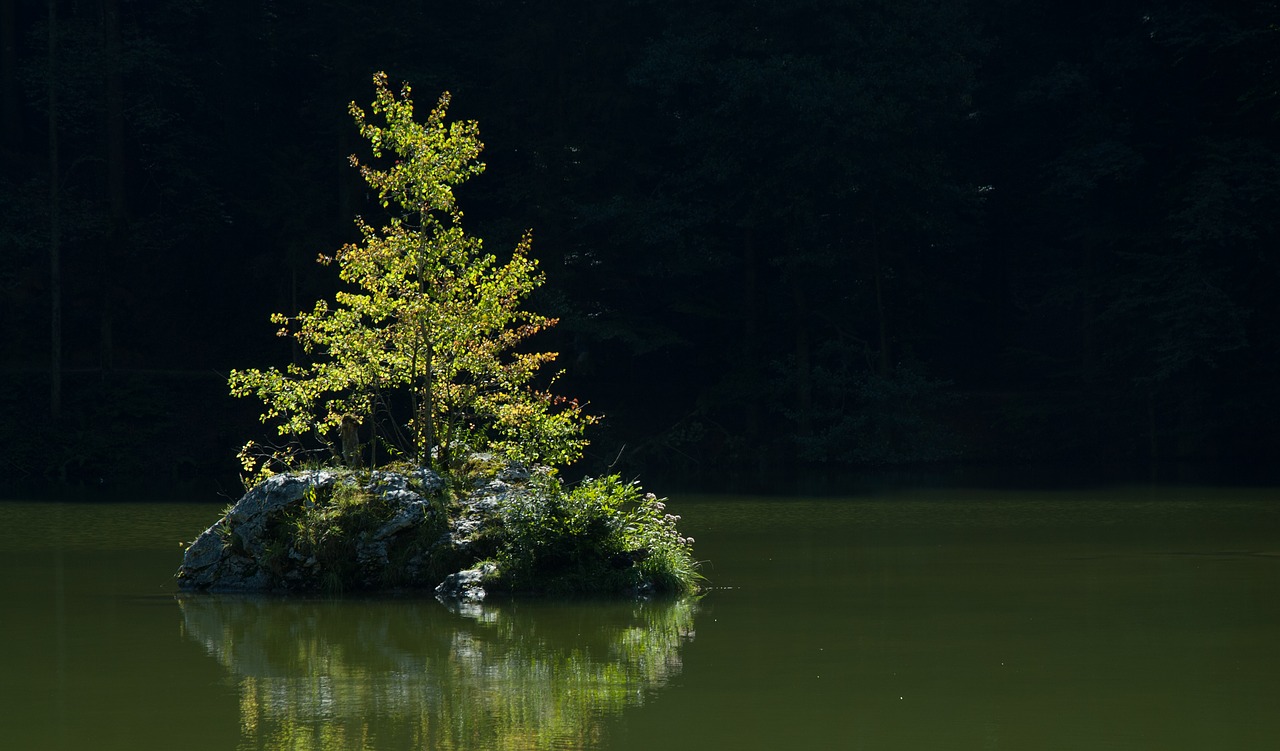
[430, 325]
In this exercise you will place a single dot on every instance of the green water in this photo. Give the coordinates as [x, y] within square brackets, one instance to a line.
[1129, 618]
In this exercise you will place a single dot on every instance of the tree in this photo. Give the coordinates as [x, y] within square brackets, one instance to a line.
[431, 326]
[55, 227]
[816, 199]
[1136, 173]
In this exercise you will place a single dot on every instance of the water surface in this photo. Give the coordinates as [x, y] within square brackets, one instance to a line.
[1124, 618]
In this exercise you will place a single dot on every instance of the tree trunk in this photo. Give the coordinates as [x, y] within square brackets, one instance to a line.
[803, 371]
[349, 433]
[422, 406]
[751, 333]
[10, 101]
[882, 321]
[1153, 435]
[1088, 346]
[428, 407]
[109, 261]
[55, 227]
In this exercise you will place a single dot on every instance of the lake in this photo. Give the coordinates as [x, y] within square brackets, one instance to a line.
[1116, 618]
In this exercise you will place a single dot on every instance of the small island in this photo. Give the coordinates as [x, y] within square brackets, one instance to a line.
[506, 528]
[417, 446]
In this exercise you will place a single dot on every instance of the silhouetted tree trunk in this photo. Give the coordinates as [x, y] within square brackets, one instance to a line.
[55, 227]
[117, 206]
[10, 103]
[803, 369]
[882, 316]
[751, 349]
[1088, 312]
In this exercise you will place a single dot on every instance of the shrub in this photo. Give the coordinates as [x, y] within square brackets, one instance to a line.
[603, 536]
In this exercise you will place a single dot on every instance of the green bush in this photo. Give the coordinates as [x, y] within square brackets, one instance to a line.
[604, 536]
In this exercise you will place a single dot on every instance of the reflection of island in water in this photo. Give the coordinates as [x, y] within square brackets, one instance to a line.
[373, 674]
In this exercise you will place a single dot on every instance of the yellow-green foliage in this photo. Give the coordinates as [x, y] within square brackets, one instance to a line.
[428, 315]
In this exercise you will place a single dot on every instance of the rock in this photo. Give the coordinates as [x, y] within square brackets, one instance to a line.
[250, 515]
[467, 586]
[414, 511]
[247, 550]
[223, 556]
[250, 549]
[515, 473]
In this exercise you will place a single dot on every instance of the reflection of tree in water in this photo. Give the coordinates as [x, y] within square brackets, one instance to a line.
[378, 674]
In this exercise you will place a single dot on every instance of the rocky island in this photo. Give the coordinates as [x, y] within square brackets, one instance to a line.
[499, 527]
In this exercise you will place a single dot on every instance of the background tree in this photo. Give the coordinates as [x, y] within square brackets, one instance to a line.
[1133, 154]
[820, 198]
[749, 214]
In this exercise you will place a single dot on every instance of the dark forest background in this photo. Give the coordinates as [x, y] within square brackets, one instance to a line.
[785, 238]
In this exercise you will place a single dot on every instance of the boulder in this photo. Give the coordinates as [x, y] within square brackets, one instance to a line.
[407, 533]
[467, 586]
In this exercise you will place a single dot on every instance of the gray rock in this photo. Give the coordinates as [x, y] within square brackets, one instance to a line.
[238, 553]
[413, 510]
[468, 585]
[242, 552]
[515, 473]
[206, 551]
